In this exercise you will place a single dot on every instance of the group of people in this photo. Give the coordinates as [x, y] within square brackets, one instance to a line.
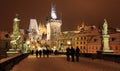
[71, 53]
[39, 53]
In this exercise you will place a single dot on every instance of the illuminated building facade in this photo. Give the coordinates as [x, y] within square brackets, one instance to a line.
[95, 44]
[115, 42]
[88, 39]
[65, 40]
[78, 38]
[43, 31]
[81, 41]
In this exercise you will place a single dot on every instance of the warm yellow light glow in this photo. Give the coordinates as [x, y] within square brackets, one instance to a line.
[28, 42]
[68, 42]
[33, 47]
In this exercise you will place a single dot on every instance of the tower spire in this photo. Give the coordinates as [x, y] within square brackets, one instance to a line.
[53, 12]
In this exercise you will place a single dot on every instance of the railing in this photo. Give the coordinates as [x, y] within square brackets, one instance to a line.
[108, 57]
[6, 64]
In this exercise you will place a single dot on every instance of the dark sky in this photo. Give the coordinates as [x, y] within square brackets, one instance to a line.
[74, 12]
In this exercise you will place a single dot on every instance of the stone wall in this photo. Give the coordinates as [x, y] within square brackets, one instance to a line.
[4, 46]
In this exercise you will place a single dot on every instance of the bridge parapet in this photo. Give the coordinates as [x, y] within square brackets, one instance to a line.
[108, 57]
[6, 64]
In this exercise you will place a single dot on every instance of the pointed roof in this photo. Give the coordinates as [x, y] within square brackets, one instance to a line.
[53, 12]
[33, 26]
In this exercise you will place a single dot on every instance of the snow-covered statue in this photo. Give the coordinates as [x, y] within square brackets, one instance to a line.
[16, 25]
[105, 28]
[15, 36]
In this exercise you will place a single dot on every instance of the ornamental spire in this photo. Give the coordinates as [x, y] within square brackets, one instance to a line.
[53, 12]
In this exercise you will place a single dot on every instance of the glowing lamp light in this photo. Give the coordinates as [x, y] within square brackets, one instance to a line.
[33, 47]
[68, 42]
[28, 42]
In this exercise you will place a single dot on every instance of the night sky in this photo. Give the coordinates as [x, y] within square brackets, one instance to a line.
[73, 12]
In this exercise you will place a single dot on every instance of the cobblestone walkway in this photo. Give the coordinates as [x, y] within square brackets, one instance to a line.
[59, 63]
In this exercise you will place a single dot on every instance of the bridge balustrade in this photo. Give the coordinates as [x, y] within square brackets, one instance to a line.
[6, 64]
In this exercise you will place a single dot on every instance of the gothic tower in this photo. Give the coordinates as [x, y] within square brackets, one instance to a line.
[53, 25]
[33, 30]
[33, 27]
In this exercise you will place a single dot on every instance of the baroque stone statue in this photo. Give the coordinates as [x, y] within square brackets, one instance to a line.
[105, 28]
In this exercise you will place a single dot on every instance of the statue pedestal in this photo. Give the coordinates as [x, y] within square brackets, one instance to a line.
[13, 52]
[105, 40]
[105, 44]
[107, 51]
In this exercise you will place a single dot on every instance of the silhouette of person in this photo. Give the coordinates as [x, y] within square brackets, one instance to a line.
[44, 52]
[68, 53]
[36, 53]
[55, 52]
[40, 53]
[32, 52]
[77, 53]
[72, 53]
[47, 52]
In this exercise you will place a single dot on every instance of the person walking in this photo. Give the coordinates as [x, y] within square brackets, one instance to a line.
[77, 53]
[40, 53]
[44, 52]
[72, 54]
[36, 53]
[32, 52]
[47, 52]
[68, 53]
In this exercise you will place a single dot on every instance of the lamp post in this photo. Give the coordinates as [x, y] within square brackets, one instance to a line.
[69, 42]
[28, 42]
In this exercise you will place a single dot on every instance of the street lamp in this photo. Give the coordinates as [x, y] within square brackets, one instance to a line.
[68, 42]
[28, 42]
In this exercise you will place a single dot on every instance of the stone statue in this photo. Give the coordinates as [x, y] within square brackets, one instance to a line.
[105, 28]
[15, 36]
[105, 39]
[16, 25]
